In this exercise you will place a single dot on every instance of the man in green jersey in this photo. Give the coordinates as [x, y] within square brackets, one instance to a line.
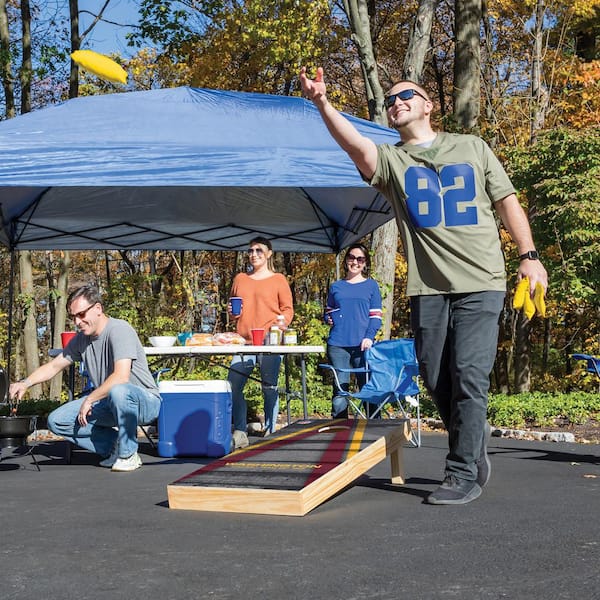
[445, 189]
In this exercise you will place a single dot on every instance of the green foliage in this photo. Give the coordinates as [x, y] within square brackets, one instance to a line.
[560, 177]
[541, 409]
[130, 298]
[41, 408]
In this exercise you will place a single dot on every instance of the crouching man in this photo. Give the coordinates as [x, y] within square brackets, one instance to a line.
[124, 395]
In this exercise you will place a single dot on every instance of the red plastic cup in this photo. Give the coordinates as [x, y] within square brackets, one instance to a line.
[258, 336]
[66, 337]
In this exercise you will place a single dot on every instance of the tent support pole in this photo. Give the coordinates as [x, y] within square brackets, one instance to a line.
[11, 296]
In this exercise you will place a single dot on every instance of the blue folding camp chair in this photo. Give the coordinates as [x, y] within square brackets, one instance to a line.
[593, 364]
[392, 371]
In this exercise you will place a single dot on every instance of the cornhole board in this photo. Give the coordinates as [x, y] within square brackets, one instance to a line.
[295, 470]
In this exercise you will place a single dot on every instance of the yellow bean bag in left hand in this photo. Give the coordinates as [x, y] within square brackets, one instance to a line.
[100, 65]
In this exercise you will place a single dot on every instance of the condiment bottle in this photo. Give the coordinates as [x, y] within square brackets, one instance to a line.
[276, 331]
[290, 337]
[274, 336]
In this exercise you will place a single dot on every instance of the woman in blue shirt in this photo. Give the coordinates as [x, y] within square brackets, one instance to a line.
[354, 313]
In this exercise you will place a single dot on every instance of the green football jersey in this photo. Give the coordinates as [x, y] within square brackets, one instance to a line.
[443, 198]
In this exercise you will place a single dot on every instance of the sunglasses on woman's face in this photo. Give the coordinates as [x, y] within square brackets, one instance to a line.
[403, 95]
[257, 251]
[359, 259]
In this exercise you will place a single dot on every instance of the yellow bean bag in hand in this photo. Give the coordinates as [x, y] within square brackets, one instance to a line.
[539, 301]
[521, 291]
[522, 299]
[100, 65]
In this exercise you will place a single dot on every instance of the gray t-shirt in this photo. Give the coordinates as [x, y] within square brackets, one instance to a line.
[117, 341]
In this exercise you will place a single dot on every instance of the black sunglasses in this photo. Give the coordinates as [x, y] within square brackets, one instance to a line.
[81, 314]
[403, 95]
[359, 259]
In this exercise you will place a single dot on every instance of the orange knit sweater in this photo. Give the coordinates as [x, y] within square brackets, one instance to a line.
[262, 301]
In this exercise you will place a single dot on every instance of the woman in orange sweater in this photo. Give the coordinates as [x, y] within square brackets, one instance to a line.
[265, 295]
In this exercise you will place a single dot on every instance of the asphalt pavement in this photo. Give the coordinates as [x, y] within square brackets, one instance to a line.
[77, 531]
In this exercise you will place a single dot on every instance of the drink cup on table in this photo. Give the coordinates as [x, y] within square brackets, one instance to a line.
[258, 336]
[66, 337]
[236, 305]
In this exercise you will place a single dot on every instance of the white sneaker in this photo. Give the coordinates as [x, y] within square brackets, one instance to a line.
[110, 460]
[127, 464]
[240, 439]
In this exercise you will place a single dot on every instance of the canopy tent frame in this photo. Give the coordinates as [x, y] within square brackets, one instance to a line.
[181, 169]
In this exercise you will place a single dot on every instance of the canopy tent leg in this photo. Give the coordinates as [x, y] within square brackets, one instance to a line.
[11, 295]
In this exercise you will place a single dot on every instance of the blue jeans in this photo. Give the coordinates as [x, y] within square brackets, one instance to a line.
[456, 337]
[345, 357]
[241, 368]
[115, 417]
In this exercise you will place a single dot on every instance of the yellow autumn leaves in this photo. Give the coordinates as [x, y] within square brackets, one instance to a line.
[522, 299]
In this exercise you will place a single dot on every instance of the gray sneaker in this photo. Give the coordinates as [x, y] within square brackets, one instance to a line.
[240, 439]
[455, 491]
[124, 465]
[484, 467]
[111, 459]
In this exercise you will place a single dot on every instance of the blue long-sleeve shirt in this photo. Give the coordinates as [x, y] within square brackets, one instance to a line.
[356, 312]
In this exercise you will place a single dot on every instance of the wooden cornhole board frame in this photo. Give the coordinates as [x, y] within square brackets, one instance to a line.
[294, 471]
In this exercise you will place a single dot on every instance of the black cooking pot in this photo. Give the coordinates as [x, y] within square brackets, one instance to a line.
[14, 430]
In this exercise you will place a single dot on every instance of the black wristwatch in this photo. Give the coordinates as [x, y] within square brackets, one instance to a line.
[530, 255]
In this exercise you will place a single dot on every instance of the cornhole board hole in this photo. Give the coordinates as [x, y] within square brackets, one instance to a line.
[295, 470]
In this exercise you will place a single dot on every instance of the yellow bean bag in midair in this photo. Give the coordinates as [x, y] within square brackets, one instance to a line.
[100, 65]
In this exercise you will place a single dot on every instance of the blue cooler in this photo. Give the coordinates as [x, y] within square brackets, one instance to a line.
[194, 418]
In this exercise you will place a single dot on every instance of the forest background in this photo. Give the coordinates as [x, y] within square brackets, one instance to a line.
[524, 75]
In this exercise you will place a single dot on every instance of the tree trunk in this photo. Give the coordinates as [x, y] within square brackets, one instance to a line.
[501, 366]
[30, 336]
[522, 351]
[357, 12]
[539, 93]
[418, 43]
[6, 63]
[489, 78]
[384, 246]
[60, 316]
[26, 66]
[467, 63]
[75, 45]
[385, 238]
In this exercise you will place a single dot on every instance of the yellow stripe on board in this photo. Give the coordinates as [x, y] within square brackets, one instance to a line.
[359, 433]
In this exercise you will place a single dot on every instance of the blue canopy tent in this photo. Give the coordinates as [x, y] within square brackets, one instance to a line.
[182, 169]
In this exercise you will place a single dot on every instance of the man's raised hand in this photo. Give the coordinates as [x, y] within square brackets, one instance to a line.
[313, 89]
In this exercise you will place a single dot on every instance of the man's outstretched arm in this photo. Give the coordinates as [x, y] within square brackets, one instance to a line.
[361, 150]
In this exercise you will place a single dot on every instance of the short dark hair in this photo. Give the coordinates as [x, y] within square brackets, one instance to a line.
[90, 292]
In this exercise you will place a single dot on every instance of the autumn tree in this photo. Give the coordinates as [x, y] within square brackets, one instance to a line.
[561, 173]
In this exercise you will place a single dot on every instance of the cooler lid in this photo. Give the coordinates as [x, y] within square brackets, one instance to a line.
[208, 386]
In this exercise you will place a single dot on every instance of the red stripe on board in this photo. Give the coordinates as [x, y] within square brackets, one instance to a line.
[261, 449]
[333, 455]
